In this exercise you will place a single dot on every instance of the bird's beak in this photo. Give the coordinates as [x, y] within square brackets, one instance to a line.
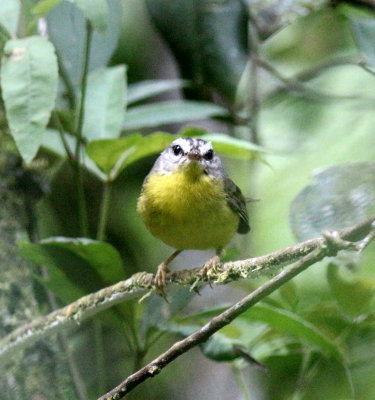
[194, 155]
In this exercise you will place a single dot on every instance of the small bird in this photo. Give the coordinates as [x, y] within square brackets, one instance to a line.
[188, 201]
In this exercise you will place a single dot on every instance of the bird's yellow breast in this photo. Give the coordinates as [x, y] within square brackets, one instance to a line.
[187, 210]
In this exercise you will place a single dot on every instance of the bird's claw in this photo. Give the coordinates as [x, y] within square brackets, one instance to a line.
[160, 280]
[210, 268]
[206, 272]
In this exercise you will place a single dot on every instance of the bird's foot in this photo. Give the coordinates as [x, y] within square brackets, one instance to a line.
[206, 272]
[210, 268]
[160, 279]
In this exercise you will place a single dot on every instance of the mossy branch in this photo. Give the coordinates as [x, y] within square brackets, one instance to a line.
[140, 283]
[328, 245]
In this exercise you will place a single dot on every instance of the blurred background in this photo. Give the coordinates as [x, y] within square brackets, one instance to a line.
[293, 82]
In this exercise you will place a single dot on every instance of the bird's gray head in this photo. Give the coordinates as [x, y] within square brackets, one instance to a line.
[184, 152]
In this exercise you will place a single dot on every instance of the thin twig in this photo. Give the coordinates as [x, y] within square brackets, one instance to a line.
[138, 284]
[297, 84]
[329, 246]
[254, 103]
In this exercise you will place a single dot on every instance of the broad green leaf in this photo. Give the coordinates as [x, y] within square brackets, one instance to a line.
[113, 155]
[104, 103]
[209, 39]
[67, 31]
[59, 284]
[58, 281]
[240, 332]
[85, 263]
[102, 256]
[340, 196]
[9, 14]
[149, 88]
[52, 142]
[29, 87]
[44, 7]
[192, 131]
[96, 11]
[107, 153]
[353, 297]
[223, 143]
[169, 112]
[364, 31]
[233, 147]
[294, 324]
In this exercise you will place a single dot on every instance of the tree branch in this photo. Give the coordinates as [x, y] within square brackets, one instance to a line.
[138, 284]
[328, 245]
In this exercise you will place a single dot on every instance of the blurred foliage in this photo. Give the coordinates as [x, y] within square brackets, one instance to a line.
[91, 95]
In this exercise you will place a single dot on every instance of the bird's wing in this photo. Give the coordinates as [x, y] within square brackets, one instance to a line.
[237, 203]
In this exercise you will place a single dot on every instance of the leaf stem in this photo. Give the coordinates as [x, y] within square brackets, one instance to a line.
[70, 92]
[57, 121]
[82, 206]
[104, 209]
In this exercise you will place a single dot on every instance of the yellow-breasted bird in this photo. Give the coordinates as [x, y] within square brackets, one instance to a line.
[189, 202]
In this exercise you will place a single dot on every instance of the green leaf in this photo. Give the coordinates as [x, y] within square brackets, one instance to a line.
[29, 85]
[113, 155]
[149, 88]
[169, 112]
[192, 131]
[52, 142]
[209, 39]
[222, 345]
[96, 11]
[340, 196]
[294, 324]
[44, 7]
[205, 314]
[364, 31]
[233, 147]
[59, 284]
[157, 311]
[353, 297]
[67, 31]
[86, 264]
[288, 292]
[219, 347]
[105, 103]
[240, 332]
[9, 14]
[224, 144]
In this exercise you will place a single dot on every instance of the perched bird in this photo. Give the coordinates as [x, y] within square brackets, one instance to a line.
[189, 202]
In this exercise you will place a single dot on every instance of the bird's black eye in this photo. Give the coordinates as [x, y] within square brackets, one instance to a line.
[209, 155]
[177, 150]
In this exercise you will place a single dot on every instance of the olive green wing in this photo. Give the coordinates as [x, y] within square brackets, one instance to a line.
[237, 203]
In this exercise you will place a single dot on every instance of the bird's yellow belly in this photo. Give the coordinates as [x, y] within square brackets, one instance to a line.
[187, 212]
